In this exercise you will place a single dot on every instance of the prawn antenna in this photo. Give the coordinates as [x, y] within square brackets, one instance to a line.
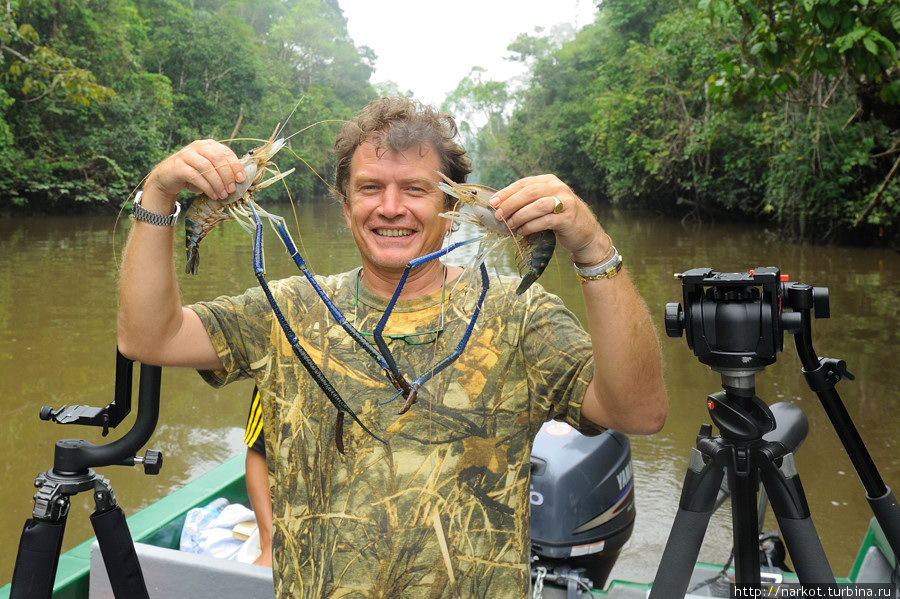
[310, 167]
[313, 125]
[294, 210]
[279, 129]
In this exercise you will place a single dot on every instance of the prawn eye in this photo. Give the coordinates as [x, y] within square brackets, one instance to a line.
[250, 153]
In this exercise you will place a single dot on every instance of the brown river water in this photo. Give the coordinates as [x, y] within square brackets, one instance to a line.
[57, 344]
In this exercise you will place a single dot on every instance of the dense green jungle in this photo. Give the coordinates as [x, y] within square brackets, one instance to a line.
[786, 112]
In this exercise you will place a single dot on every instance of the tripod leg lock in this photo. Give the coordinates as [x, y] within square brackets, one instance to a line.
[782, 483]
[50, 503]
[701, 483]
[828, 374]
[104, 497]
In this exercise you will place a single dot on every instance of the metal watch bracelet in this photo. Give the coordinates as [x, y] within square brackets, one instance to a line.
[138, 212]
[605, 270]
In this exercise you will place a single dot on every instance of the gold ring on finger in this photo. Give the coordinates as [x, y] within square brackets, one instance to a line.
[557, 205]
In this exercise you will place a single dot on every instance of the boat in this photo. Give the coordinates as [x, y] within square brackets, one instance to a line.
[156, 530]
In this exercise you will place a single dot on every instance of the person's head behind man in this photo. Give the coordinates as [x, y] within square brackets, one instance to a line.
[385, 176]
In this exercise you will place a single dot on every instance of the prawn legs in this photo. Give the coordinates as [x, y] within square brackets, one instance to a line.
[378, 332]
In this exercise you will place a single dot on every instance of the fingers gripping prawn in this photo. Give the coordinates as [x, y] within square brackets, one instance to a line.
[533, 252]
[205, 213]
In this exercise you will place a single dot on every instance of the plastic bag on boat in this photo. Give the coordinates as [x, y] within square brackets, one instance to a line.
[208, 530]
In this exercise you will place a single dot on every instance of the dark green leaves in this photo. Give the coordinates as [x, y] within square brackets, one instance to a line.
[94, 93]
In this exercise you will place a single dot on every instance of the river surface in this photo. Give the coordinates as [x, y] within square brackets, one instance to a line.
[57, 346]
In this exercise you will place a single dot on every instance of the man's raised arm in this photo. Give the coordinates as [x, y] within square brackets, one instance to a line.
[153, 327]
[627, 391]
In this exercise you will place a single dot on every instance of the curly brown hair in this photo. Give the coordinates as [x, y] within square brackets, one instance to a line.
[397, 124]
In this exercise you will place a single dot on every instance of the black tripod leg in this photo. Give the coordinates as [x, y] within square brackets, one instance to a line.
[698, 496]
[38, 556]
[743, 480]
[887, 514]
[789, 504]
[117, 547]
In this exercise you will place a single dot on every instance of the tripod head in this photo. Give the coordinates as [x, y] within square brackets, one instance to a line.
[735, 322]
[77, 455]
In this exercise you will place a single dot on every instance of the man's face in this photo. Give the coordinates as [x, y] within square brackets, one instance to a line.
[393, 204]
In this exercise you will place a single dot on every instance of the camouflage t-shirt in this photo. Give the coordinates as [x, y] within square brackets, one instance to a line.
[442, 509]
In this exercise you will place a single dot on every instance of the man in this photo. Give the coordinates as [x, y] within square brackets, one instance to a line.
[442, 509]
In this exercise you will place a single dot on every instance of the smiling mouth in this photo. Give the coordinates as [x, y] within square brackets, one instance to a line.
[394, 232]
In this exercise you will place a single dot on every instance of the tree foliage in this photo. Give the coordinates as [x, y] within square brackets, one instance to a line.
[94, 93]
[38, 70]
[785, 112]
[785, 43]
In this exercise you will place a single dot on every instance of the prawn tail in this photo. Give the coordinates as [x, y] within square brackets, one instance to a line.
[526, 282]
[538, 249]
[193, 233]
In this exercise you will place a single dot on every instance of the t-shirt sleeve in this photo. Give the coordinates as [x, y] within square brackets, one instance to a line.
[254, 437]
[239, 327]
[559, 360]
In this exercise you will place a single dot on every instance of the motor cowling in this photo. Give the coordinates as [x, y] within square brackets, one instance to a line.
[582, 500]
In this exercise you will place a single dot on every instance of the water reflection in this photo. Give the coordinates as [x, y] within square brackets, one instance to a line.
[57, 343]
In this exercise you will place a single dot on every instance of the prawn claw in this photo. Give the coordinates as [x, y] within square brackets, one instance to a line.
[542, 245]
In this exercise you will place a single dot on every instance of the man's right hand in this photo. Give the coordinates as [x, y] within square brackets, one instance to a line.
[204, 166]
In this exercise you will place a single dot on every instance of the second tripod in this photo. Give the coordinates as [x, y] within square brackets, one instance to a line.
[73, 472]
[734, 323]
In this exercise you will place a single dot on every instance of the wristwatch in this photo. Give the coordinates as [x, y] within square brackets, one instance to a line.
[605, 270]
[140, 213]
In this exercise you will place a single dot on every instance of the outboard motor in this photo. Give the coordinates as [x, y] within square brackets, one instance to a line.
[582, 504]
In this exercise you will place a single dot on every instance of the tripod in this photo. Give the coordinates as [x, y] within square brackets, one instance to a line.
[735, 319]
[41, 541]
[741, 453]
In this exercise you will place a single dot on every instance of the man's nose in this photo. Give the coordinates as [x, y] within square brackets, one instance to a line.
[392, 204]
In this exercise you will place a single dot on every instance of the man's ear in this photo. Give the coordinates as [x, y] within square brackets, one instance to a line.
[345, 206]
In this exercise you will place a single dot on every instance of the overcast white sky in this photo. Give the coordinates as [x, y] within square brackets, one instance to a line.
[428, 47]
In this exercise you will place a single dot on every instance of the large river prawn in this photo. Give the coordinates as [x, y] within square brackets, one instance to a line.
[205, 213]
